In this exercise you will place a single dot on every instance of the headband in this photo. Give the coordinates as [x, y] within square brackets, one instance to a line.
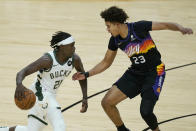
[67, 41]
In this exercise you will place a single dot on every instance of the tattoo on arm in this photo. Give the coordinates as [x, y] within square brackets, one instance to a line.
[43, 62]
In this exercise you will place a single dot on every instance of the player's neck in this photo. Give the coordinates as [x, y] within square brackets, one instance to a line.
[123, 30]
[61, 58]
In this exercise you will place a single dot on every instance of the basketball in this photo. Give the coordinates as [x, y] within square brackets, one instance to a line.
[27, 102]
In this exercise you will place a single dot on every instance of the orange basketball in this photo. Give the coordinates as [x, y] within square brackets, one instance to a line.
[27, 102]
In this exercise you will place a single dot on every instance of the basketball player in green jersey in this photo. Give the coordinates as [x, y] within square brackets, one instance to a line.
[147, 72]
[52, 68]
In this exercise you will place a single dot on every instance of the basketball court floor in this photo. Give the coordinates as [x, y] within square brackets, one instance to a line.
[26, 27]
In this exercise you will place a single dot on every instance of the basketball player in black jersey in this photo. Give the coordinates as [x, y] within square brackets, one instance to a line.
[147, 72]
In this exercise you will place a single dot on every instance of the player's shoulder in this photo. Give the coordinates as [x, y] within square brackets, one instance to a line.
[43, 62]
[47, 59]
[76, 60]
[139, 24]
[112, 39]
[76, 57]
[47, 56]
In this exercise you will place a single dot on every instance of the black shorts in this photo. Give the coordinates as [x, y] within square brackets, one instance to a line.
[148, 84]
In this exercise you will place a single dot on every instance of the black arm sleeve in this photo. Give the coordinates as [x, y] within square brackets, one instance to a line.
[112, 45]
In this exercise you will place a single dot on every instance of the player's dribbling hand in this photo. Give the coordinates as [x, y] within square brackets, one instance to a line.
[78, 76]
[19, 92]
[84, 106]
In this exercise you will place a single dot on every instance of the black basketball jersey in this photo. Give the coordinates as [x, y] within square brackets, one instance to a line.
[139, 46]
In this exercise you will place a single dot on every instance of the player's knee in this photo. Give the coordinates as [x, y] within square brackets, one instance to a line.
[106, 102]
[145, 113]
[60, 126]
[146, 108]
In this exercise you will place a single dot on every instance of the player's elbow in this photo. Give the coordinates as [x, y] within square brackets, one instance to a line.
[106, 64]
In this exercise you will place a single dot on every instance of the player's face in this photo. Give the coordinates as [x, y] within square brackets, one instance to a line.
[68, 50]
[112, 28]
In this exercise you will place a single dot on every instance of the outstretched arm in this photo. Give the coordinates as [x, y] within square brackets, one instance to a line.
[102, 66]
[171, 26]
[43, 62]
[83, 83]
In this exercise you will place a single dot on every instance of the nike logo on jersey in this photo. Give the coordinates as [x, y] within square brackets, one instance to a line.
[69, 63]
[132, 38]
[119, 43]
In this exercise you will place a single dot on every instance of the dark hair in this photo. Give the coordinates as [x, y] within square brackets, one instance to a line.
[114, 14]
[57, 37]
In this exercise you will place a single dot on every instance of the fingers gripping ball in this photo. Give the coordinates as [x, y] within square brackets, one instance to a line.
[27, 102]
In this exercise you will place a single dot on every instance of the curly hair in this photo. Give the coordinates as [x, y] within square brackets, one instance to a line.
[114, 14]
[57, 37]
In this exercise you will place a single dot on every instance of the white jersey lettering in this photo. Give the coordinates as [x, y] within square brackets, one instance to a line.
[51, 79]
